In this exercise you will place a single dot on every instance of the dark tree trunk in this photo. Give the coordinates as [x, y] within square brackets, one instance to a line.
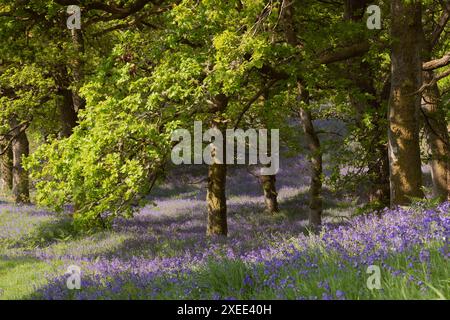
[435, 126]
[437, 138]
[68, 114]
[6, 168]
[404, 104]
[20, 149]
[72, 102]
[379, 192]
[77, 69]
[268, 183]
[355, 9]
[67, 111]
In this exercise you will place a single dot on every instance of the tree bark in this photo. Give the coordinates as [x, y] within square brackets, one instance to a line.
[268, 183]
[6, 169]
[20, 149]
[437, 138]
[69, 117]
[315, 158]
[217, 174]
[379, 192]
[433, 116]
[216, 199]
[72, 102]
[312, 140]
[77, 69]
[404, 102]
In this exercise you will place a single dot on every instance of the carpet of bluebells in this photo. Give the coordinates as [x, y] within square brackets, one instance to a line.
[163, 253]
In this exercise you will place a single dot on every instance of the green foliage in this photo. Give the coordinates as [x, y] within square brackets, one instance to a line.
[425, 203]
[25, 94]
[146, 73]
[134, 101]
[111, 159]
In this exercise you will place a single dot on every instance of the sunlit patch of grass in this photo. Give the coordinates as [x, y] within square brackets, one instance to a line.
[19, 277]
[91, 245]
[15, 225]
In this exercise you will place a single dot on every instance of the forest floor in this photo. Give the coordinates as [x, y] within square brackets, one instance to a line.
[163, 253]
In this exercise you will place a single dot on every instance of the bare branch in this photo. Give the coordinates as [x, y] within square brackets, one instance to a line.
[253, 99]
[437, 63]
[441, 24]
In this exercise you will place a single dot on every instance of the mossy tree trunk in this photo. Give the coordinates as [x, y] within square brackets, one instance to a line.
[312, 140]
[404, 102]
[217, 175]
[315, 159]
[216, 200]
[20, 149]
[6, 168]
[437, 137]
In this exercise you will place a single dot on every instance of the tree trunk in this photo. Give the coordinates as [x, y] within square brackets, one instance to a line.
[355, 9]
[435, 128]
[437, 138]
[67, 111]
[216, 199]
[77, 69]
[6, 168]
[268, 183]
[404, 102]
[20, 149]
[217, 175]
[312, 140]
[379, 192]
[315, 154]
[68, 114]
[270, 192]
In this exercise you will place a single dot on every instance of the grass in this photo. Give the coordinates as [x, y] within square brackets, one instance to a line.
[19, 277]
[234, 279]
[230, 279]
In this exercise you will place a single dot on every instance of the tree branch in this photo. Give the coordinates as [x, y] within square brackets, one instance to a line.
[253, 99]
[437, 63]
[441, 24]
[345, 53]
